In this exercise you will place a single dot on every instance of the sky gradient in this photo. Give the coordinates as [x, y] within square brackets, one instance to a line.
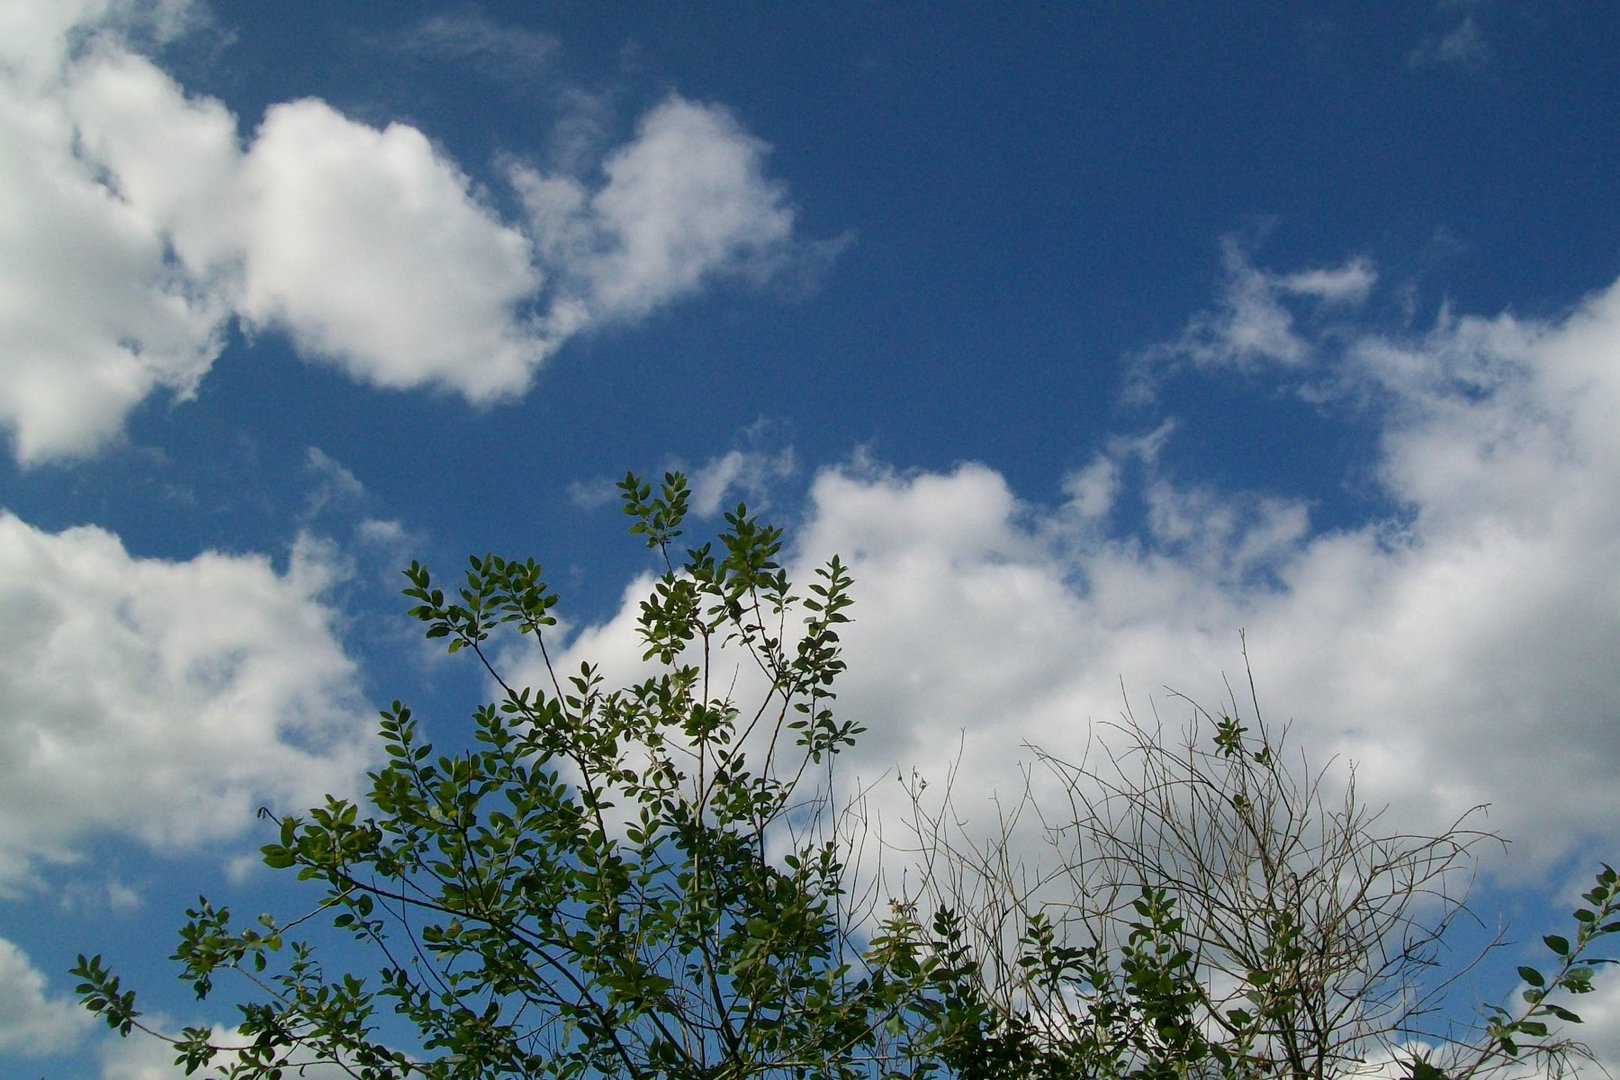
[1091, 337]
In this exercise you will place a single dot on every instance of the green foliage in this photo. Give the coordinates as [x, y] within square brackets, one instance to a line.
[630, 881]
[649, 880]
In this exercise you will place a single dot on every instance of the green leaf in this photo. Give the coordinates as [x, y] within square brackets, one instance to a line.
[1422, 1069]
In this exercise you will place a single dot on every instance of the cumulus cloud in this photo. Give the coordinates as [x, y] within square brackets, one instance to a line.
[162, 701]
[147, 223]
[143, 1058]
[32, 1023]
[93, 315]
[1255, 323]
[685, 201]
[1445, 646]
[369, 248]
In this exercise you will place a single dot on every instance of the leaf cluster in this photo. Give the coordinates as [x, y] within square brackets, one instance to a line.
[631, 881]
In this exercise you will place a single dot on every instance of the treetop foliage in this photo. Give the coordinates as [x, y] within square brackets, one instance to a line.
[653, 880]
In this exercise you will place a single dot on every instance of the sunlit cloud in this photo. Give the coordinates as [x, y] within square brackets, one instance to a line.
[163, 701]
[153, 223]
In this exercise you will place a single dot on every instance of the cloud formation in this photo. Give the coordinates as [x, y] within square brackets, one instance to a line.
[468, 36]
[739, 474]
[1443, 646]
[162, 701]
[93, 315]
[33, 1024]
[685, 201]
[1256, 321]
[370, 248]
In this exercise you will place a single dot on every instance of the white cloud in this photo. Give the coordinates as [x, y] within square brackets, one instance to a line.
[170, 160]
[140, 1057]
[1253, 327]
[145, 223]
[747, 473]
[334, 484]
[1347, 284]
[593, 494]
[87, 895]
[162, 701]
[1092, 490]
[685, 201]
[93, 317]
[469, 36]
[369, 247]
[381, 532]
[32, 1023]
[1462, 651]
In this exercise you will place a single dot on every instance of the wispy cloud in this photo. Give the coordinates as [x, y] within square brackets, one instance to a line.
[1463, 46]
[1254, 324]
[751, 471]
[334, 483]
[1348, 284]
[468, 36]
[746, 474]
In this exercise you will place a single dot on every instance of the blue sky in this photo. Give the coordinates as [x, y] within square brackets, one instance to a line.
[1089, 335]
